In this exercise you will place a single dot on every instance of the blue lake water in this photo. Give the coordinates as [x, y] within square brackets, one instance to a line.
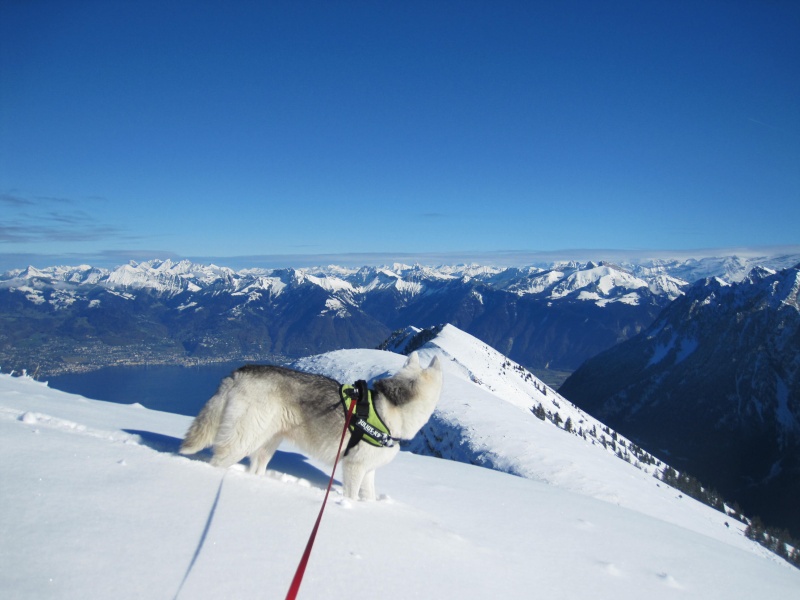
[169, 388]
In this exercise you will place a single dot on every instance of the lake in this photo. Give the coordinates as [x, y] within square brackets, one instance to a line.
[168, 388]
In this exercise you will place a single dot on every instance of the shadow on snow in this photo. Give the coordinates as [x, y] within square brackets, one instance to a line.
[290, 463]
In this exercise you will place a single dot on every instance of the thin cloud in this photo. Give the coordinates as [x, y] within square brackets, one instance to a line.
[767, 125]
[24, 233]
[108, 259]
[500, 258]
[10, 233]
[15, 201]
[41, 219]
[55, 199]
[77, 217]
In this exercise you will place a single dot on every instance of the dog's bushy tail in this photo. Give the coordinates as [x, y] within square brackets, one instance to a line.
[203, 429]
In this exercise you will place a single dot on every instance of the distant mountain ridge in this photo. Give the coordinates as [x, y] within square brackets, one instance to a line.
[552, 317]
[160, 308]
[172, 278]
[714, 383]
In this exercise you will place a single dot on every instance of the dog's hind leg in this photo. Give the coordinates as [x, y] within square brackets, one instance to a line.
[223, 458]
[261, 457]
[204, 428]
[245, 425]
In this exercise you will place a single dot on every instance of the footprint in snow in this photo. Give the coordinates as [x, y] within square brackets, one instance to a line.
[29, 418]
[286, 478]
[344, 503]
[670, 581]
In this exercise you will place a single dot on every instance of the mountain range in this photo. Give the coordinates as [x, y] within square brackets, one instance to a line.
[549, 318]
[545, 318]
[713, 386]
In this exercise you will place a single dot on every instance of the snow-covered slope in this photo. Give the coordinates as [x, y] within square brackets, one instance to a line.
[485, 418]
[96, 503]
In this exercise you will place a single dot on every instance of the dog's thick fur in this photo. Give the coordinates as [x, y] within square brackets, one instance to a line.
[258, 406]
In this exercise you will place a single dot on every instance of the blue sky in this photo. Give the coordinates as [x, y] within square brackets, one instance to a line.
[299, 130]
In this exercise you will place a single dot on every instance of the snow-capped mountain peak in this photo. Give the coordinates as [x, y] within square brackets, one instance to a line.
[461, 434]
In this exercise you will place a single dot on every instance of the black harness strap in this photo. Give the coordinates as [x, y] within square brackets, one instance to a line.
[366, 424]
[360, 392]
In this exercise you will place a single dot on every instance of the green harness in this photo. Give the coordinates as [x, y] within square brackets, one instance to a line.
[366, 424]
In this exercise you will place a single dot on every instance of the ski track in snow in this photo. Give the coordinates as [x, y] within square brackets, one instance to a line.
[41, 420]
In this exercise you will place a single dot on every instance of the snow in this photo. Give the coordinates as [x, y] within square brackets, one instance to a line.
[170, 279]
[166, 276]
[273, 285]
[789, 294]
[688, 346]
[783, 412]
[631, 299]
[33, 296]
[336, 307]
[672, 287]
[330, 284]
[96, 502]
[603, 278]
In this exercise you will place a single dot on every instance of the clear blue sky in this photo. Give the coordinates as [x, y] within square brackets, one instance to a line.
[395, 129]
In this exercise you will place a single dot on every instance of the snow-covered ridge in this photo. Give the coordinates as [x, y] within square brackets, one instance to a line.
[598, 282]
[459, 431]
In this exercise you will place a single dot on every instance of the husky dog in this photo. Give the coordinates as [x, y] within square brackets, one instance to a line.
[258, 406]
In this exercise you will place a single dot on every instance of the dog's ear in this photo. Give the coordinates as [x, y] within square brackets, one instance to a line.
[412, 361]
[433, 373]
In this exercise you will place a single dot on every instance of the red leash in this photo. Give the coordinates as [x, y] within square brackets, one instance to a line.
[301, 568]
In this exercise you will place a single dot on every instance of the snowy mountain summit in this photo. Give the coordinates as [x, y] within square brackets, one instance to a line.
[601, 282]
[114, 511]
